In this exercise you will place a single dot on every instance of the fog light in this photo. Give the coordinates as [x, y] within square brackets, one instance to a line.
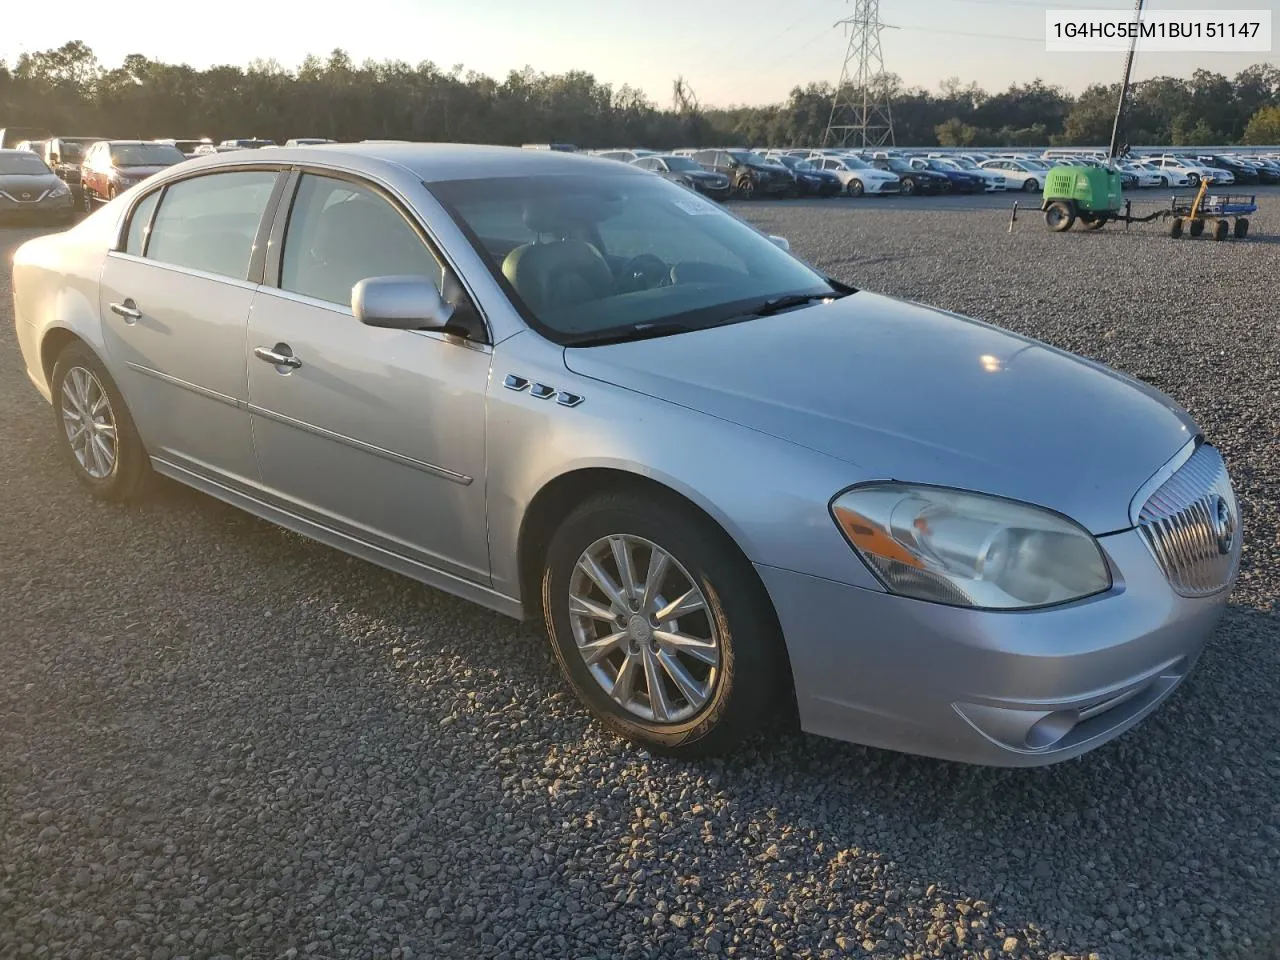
[1052, 728]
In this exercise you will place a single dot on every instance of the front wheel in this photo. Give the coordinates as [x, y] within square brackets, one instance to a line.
[1164, 182]
[1197, 228]
[86, 198]
[1220, 230]
[908, 186]
[1030, 186]
[661, 626]
[855, 188]
[746, 188]
[95, 431]
[1242, 228]
[1059, 216]
[1175, 228]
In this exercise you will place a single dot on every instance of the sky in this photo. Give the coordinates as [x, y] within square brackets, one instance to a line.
[729, 51]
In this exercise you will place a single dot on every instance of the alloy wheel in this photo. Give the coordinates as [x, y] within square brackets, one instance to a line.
[89, 422]
[644, 629]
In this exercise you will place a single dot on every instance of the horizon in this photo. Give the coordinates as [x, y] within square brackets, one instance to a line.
[991, 43]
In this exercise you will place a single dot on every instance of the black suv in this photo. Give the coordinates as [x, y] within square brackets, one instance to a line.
[64, 154]
[913, 179]
[1243, 172]
[751, 174]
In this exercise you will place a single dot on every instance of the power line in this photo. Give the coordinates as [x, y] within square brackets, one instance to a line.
[965, 33]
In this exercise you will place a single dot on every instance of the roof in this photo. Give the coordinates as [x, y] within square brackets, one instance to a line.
[460, 161]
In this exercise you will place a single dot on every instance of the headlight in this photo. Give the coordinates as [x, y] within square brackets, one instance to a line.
[969, 550]
[61, 190]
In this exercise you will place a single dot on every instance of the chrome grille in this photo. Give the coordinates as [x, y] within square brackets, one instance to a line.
[1192, 525]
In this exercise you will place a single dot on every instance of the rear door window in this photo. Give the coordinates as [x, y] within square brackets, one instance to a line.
[209, 223]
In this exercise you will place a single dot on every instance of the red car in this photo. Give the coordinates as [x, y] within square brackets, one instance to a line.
[113, 166]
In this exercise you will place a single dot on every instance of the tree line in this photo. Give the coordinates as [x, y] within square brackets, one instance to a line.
[69, 91]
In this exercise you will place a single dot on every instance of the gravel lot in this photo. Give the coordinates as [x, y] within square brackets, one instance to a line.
[218, 739]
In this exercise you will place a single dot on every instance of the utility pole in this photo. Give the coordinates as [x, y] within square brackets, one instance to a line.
[1124, 86]
[860, 110]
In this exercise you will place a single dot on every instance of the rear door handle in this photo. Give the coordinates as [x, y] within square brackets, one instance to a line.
[129, 310]
[276, 356]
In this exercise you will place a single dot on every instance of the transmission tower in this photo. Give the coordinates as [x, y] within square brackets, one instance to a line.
[860, 110]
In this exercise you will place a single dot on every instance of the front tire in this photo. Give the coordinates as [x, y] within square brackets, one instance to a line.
[1060, 215]
[661, 626]
[855, 188]
[95, 432]
[1030, 186]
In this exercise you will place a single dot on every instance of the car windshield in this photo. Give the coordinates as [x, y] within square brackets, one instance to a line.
[896, 164]
[71, 150]
[22, 163]
[747, 157]
[854, 163]
[145, 154]
[964, 163]
[597, 257]
[680, 163]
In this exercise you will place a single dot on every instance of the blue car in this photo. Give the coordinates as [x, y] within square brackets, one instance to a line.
[961, 182]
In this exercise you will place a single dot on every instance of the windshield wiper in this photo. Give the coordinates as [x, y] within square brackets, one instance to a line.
[778, 304]
[637, 331]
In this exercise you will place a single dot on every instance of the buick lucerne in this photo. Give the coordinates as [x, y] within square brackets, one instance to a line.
[731, 486]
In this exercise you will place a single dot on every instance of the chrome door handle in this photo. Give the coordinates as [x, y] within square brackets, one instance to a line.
[276, 358]
[128, 310]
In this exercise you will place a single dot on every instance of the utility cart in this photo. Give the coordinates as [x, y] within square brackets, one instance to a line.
[1227, 213]
[1087, 195]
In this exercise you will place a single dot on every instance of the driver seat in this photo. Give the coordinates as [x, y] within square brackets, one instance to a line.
[559, 274]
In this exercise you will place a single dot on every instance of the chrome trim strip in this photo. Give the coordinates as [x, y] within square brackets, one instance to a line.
[186, 385]
[185, 271]
[391, 560]
[1159, 477]
[431, 468]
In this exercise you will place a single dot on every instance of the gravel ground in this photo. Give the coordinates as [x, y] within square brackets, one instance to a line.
[218, 739]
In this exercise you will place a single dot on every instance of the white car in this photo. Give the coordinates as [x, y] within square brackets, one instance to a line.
[626, 156]
[1147, 177]
[1025, 175]
[1195, 172]
[857, 176]
[1165, 176]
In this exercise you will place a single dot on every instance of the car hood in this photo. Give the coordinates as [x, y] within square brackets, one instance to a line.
[137, 173]
[911, 393]
[27, 183]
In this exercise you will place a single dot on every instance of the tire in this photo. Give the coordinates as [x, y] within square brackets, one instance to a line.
[1030, 186]
[908, 186]
[1220, 230]
[1164, 183]
[1242, 228]
[747, 188]
[855, 188]
[79, 374]
[1175, 228]
[1059, 216]
[87, 199]
[744, 688]
[1197, 228]
[1093, 223]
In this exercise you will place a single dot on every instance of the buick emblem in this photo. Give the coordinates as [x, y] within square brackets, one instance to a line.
[26, 196]
[1224, 525]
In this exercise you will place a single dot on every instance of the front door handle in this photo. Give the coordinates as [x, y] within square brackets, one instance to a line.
[278, 356]
[129, 310]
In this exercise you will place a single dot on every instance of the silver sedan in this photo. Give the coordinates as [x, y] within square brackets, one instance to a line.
[732, 487]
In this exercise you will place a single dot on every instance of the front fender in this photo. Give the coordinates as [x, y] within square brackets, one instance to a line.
[770, 496]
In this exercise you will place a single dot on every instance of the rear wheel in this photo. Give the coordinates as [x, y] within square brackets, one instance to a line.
[1197, 227]
[1175, 228]
[1059, 216]
[1095, 222]
[1242, 228]
[661, 626]
[1220, 230]
[95, 431]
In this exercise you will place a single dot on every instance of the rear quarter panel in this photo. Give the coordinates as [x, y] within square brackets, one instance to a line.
[55, 287]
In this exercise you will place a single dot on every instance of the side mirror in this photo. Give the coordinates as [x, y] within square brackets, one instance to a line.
[780, 242]
[400, 303]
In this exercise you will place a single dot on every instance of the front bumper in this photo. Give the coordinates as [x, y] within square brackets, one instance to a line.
[1013, 689]
[881, 187]
[45, 210]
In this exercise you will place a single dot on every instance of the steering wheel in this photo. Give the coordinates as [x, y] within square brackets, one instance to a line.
[644, 272]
